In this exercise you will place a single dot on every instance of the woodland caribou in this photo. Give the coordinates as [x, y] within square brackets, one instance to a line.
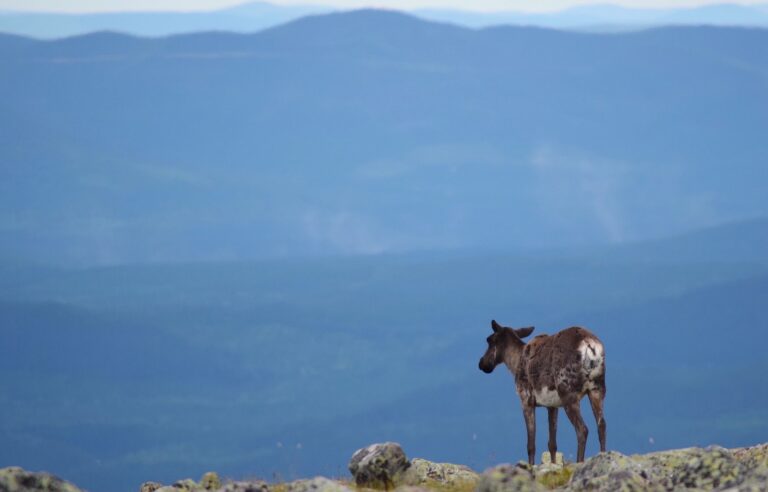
[552, 371]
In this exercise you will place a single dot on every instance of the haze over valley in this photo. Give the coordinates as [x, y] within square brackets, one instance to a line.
[256, 253]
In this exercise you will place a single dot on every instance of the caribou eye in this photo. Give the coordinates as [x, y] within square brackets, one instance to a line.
[489, 339]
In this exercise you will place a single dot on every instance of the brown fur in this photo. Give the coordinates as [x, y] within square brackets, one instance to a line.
[550, 371]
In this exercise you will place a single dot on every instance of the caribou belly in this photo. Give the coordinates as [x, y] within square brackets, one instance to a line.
[546, 397]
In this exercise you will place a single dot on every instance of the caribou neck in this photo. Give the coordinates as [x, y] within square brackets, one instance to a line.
[512, 355]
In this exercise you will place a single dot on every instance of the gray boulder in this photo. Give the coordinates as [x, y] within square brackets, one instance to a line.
[378, 465]
[186, 485]
[709, 468]
[15, 479]
[611, 472]
[509, 478]
[245, 486]
[210, 481]
[411, 488]
[150, 486]
[424, 472]
[546, 458]
[317, 484]
[754, 456]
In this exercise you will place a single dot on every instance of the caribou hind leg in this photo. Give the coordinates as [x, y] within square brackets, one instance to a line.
[596, 397]
[573, 412]
[552, 414]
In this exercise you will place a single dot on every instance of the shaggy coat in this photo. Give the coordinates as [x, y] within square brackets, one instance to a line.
[552, 371]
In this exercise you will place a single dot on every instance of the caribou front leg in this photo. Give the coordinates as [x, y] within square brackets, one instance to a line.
[529, 412]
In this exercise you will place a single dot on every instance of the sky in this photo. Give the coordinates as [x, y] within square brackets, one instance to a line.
[480, 5]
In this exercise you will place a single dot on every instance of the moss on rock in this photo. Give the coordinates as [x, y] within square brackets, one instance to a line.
[554, 476]
[317, 484]
[210, 481]
[509, 478]
[699, 468]
[15, 479]
[431, 474]
[249, 486]
[150, 486]
[379, 466]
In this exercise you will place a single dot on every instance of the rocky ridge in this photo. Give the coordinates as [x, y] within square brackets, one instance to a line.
[385, 466]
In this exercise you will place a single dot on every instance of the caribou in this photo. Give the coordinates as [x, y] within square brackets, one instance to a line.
[552, 371]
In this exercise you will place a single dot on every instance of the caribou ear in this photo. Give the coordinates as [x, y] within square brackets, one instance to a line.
[524, 332]
[496, 327]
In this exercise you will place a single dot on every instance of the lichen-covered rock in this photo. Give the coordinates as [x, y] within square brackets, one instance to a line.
[753, 457]
[210, 481]
[317, 484]
[186, 485]
[150, 486]
[611, 472]
[710, 468]
[546, 458]
[754, 483]
[412, 488]
[15, 479]
[245, 486]
[424, 472]
[615, 481]
[378, 465]
[509, 478]
[605, 463]
[553, 476]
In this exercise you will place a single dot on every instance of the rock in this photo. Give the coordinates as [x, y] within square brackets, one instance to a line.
[553, 476]
[411, 488]
[186, 485]
[605, 463]
[611, 472]
[753, 457]
[243, 486]
[210, 481]
[378, 465]
[317, 484]
[150, 486]
[751, 484]
[423, 472]
[546, 458]
[15, 479]
[710, 468]
[509, 478]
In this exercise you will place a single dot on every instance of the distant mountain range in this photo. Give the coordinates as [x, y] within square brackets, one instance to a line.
[605, 17]
[372, 131]
[255, 16]
[249, 17]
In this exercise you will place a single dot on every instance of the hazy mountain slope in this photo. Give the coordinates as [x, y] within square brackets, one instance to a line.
[250, 17]
[372, 131]
[419, 286]
[290, 374]
[609, 17]
[742, 242]
[254, 16]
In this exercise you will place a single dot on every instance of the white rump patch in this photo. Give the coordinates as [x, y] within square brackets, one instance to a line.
[592, 357]
[547, 397]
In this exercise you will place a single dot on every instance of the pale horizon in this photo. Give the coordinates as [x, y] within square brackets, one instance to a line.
[102, 6]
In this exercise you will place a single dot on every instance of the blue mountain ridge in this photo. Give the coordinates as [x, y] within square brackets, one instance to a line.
[371, 132]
